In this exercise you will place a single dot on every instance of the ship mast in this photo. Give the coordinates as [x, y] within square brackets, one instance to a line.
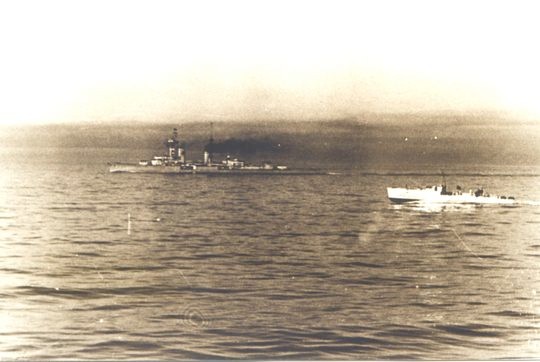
[172, 145]
[176, 152]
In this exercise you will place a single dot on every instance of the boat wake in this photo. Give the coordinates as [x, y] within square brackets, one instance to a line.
[433, 207]
[426, 206]
[529, 203]
[457, 174]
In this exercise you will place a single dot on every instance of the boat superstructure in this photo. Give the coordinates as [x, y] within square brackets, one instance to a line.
[440, 194]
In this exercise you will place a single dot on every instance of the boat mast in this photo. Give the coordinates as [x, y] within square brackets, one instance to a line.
[443, 179]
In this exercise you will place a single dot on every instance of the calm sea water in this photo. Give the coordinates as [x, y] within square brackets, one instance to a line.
[317, 267]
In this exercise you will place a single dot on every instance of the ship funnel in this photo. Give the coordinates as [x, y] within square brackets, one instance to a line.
[182, 154]
[208, 149]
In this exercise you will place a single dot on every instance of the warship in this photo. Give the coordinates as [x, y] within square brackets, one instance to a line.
[174, 162]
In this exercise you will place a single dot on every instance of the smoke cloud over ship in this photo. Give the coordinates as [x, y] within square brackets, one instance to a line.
[243, 146]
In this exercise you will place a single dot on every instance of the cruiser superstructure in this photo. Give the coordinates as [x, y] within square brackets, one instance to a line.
[175, 162]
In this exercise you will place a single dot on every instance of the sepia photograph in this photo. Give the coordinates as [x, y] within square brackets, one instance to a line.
[269, 180]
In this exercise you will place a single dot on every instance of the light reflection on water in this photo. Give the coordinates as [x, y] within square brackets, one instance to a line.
[436, 207]
[252, 267]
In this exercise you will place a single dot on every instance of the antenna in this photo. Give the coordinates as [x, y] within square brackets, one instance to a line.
[443, 178]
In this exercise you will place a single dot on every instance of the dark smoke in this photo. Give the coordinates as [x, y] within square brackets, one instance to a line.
[243, 146]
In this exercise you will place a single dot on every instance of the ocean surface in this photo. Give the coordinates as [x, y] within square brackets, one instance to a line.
[128, 266]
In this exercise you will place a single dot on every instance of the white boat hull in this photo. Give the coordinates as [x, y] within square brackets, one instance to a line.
[434, 195]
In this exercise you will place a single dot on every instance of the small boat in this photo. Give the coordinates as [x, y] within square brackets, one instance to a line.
[440, 194]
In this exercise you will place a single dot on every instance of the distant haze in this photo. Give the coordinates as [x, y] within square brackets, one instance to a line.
[399, 140]
[170, 61]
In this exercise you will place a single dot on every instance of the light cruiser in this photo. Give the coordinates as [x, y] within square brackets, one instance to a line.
[174, 162]
[439, 194]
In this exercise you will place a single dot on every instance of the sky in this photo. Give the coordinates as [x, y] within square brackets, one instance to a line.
[116, 60]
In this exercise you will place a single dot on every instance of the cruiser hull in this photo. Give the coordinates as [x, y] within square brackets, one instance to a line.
[144, 169]
[170, 169]
[430, 195]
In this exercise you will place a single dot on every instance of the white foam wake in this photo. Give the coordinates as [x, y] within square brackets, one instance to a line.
[529, 203]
